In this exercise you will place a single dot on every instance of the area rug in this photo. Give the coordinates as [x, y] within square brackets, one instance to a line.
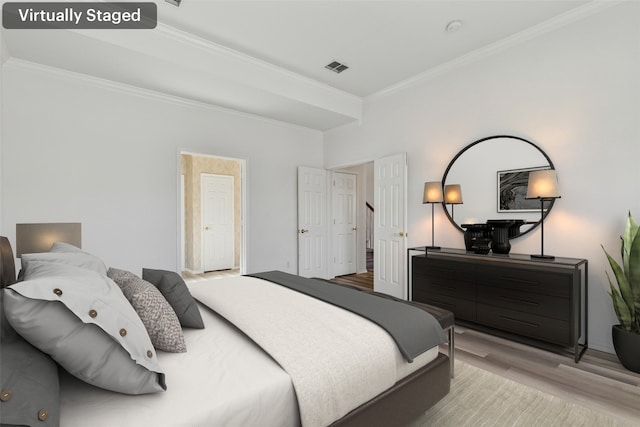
[481, 398]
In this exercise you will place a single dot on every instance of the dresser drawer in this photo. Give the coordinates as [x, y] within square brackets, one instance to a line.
[526, 302]
[543, 328]
[437, 277]
[546, 282]
[442, 286]
[461, 308]
[444, 269]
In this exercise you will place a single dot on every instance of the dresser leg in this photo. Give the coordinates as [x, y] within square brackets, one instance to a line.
[451, 347]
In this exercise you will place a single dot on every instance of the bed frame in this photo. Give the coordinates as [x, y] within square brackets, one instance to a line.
[399, 405]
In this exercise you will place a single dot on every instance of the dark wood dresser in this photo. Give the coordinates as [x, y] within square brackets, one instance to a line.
[539, 302]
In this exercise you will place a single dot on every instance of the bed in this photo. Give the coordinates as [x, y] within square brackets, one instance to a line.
[237, 370]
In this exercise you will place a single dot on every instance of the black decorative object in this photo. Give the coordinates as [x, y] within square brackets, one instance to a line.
[500, 236]
[627, 346]
[481, 245]
[514, 230]
[475, 231]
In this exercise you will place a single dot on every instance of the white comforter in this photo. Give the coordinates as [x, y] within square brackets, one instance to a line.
[336, 359]
[222, 380]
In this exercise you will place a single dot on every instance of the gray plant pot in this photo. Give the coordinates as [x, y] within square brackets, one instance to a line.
[627, 345]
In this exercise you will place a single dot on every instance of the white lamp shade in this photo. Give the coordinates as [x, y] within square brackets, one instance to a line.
[543, 184]
[432, 192]
[453, 194]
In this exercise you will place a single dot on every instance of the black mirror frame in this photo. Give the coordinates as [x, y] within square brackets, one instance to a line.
[473, 144]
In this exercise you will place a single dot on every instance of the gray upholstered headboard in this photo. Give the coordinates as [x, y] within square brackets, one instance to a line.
[7, 263]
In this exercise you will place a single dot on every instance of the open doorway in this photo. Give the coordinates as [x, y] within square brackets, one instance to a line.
[212, 207]
[389, 234]
[364, 224]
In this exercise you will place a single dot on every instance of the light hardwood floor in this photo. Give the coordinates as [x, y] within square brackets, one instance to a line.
[598, 381]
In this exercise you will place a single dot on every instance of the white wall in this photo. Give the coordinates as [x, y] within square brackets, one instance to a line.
[4, 53]
[574, 91]
[74, 150]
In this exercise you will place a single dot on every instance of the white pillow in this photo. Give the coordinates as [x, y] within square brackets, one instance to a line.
[78, 259]
[64, 247]
[84, 322]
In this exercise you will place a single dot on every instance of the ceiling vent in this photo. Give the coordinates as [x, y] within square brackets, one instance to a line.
[336, 67]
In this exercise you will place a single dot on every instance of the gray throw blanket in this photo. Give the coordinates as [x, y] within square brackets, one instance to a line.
[413, 330]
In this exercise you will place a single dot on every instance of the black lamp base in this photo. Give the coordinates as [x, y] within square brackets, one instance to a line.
[549, 257]
[432, 248]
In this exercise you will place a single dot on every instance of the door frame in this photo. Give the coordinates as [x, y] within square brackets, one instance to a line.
[244, 204]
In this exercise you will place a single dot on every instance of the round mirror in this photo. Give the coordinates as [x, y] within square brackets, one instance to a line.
[492, 175]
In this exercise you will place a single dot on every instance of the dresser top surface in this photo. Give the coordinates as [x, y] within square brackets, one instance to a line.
[491, 257]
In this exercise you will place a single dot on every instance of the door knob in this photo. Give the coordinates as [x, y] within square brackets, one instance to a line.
[206, 229]
[302, 230]
[354, 228]
[401, 234]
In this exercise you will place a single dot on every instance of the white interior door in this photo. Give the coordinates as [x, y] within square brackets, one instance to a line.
[343, 207]
[312, 222]
[390, 184]
[217, 222]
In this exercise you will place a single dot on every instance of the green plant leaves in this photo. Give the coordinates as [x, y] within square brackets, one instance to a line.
[626, 294]
[622, 310]
[626, 297]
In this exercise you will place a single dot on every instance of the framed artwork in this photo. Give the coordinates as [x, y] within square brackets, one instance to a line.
[512, 191]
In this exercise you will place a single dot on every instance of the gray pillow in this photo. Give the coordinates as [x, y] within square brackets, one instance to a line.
[177, 294]
[77, 259]
[30, 391]
[84, 322]
[155, 312]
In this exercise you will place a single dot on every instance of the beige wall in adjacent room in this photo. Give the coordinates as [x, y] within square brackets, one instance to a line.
[192, 167]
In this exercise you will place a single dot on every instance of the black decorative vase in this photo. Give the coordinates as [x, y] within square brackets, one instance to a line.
[481, 245]
[514, 229]
[475, 233]
[627, 345]
[500, 237]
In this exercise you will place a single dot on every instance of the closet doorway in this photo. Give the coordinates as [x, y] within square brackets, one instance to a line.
[212, 211]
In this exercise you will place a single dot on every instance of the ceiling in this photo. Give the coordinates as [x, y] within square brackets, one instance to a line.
[268, 58]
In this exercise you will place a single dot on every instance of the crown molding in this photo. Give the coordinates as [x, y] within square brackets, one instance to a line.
[193, 53]
[574, 15]
[20, 64]
[209, 46]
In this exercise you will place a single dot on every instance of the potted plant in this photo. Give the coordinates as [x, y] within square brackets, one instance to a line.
[626, 297]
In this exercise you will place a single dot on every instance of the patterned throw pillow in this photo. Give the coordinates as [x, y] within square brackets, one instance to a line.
[155, 312]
